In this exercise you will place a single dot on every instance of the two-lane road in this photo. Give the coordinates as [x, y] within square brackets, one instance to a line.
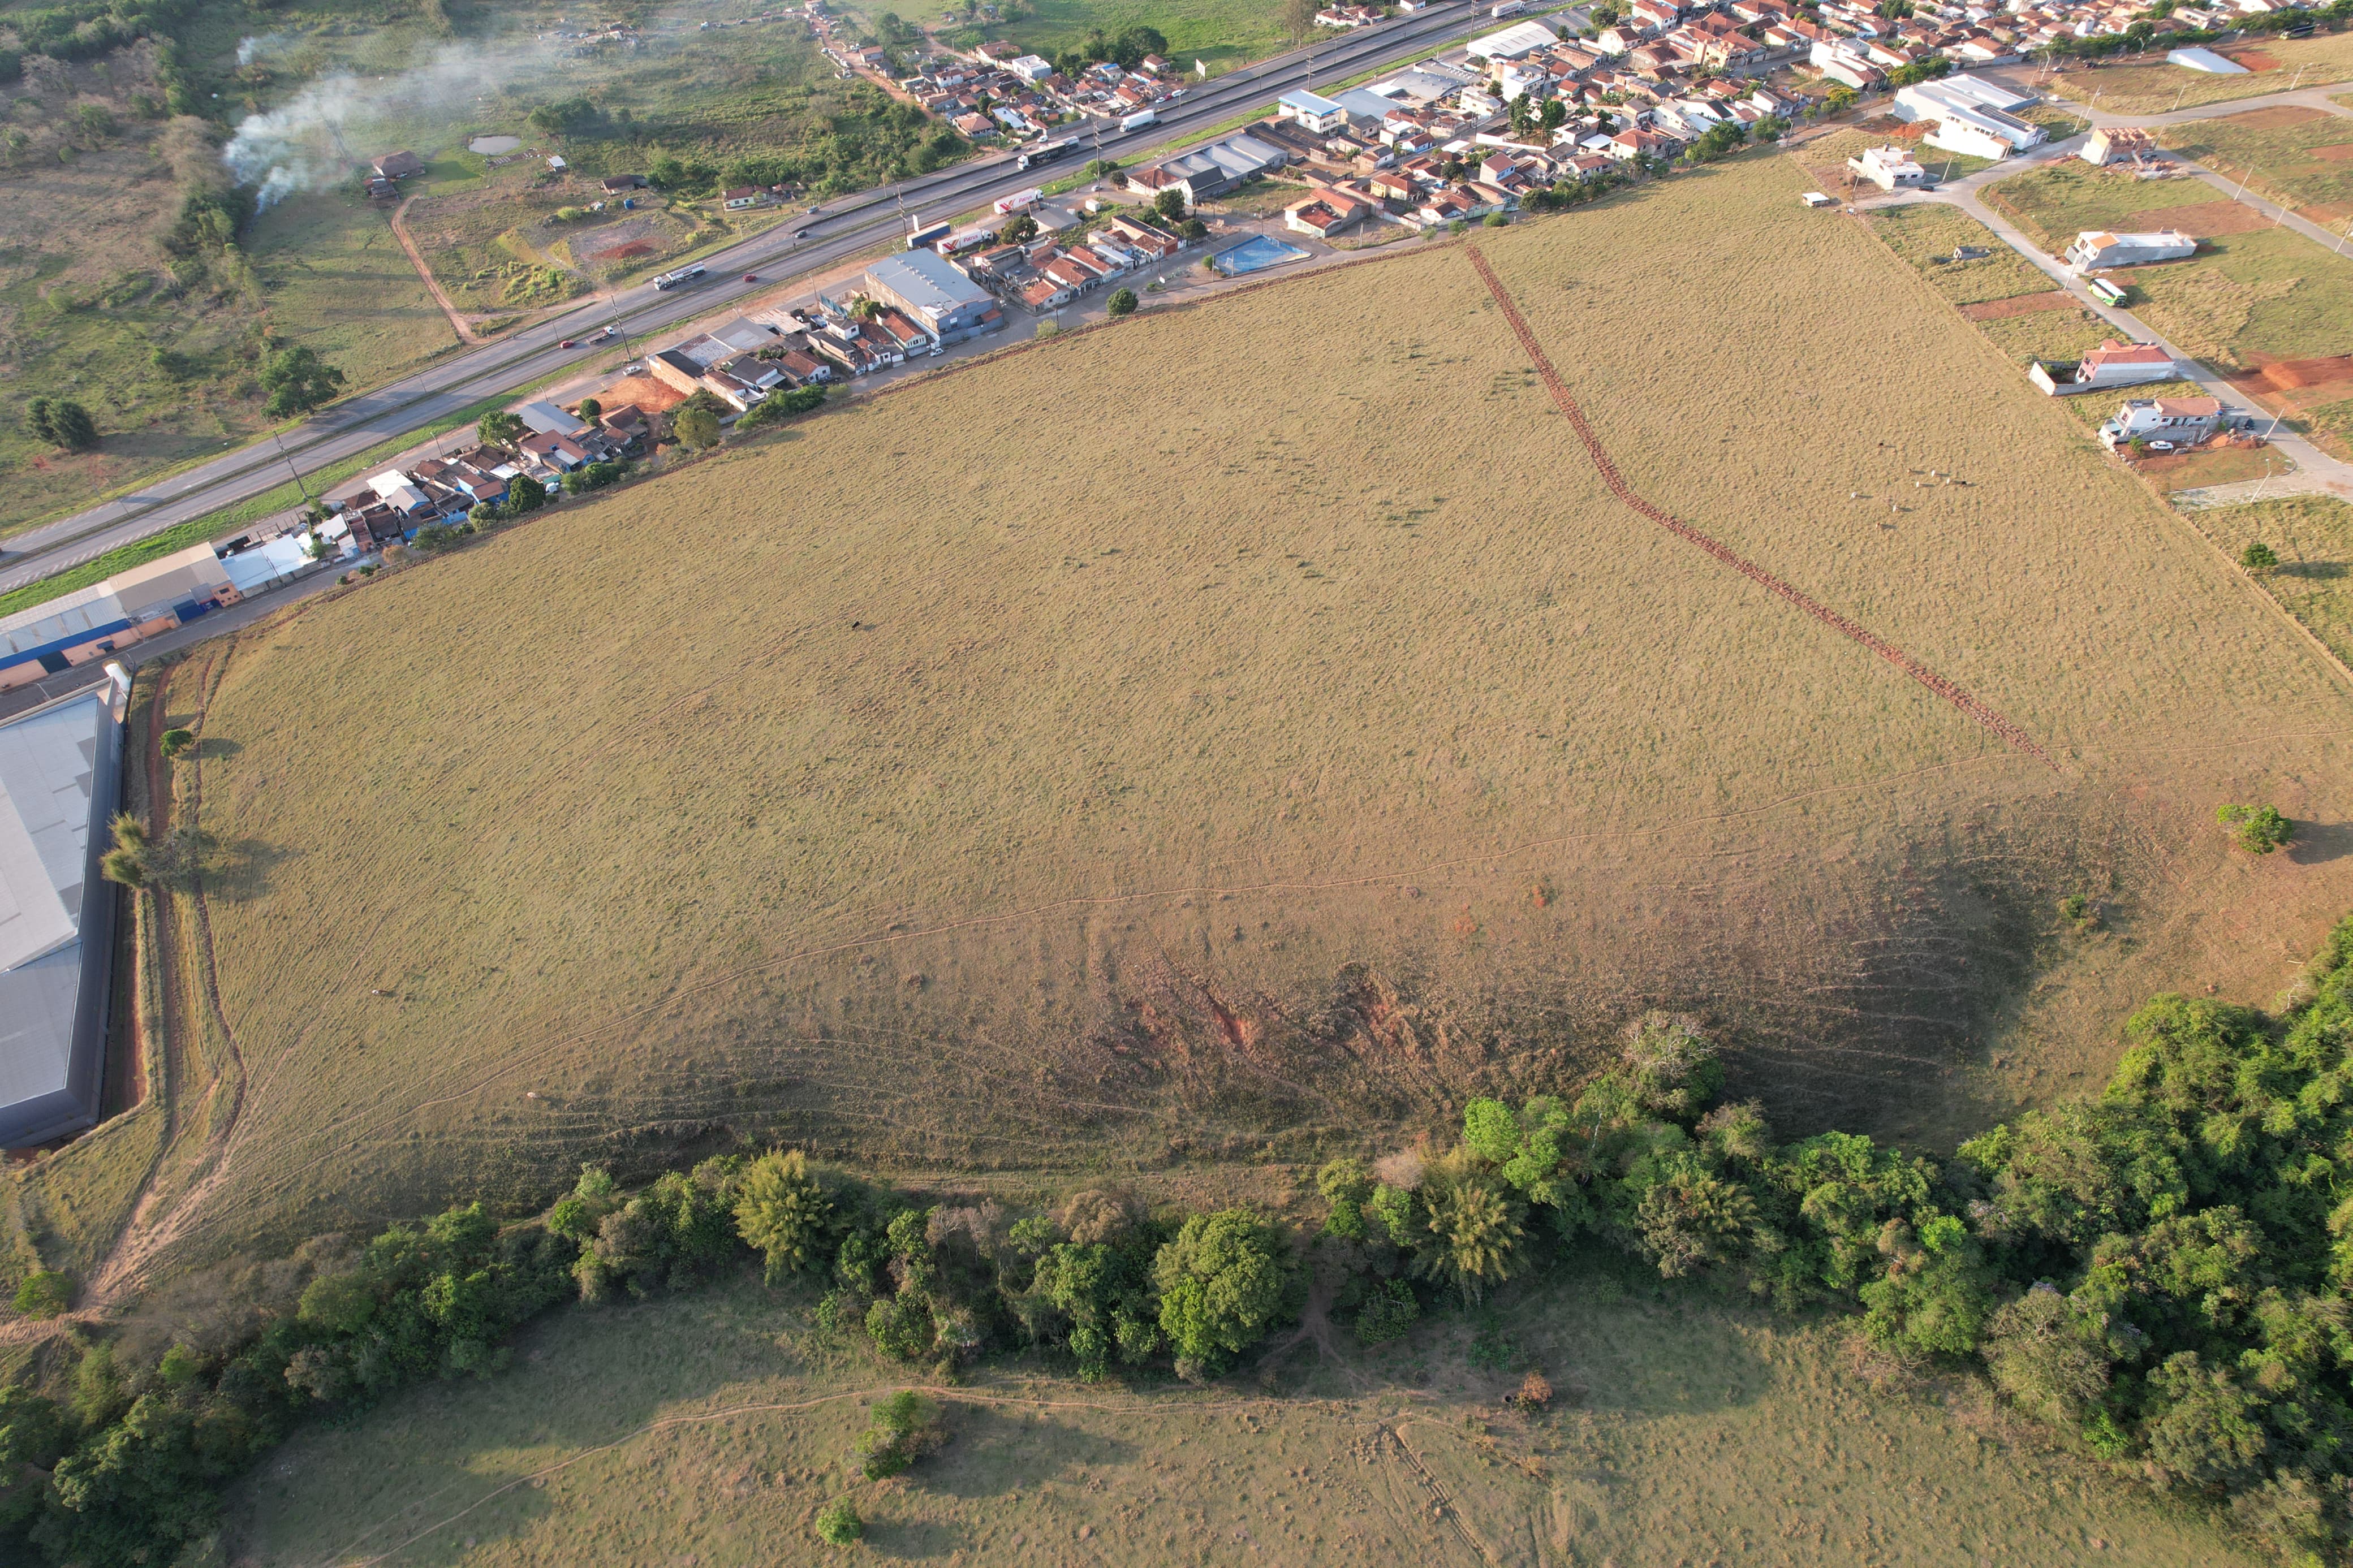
[843, 230]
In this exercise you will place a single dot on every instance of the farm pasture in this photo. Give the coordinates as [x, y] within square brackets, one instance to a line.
[1183, 749]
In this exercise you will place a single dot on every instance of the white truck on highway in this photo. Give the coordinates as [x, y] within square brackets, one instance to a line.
[1139, 119]
[683, 275]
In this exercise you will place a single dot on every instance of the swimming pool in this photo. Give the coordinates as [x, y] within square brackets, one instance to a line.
[1256, 255]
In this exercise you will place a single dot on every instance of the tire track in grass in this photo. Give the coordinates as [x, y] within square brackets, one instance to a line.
[1949, 690]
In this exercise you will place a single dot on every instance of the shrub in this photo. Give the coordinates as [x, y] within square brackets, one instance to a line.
[784, 402]
[44, 1294]
[907, 1426]
[2257, 830]
[1122, 302]
[62, 422]
[177, 741]
[1390, 1309]
[783, 1213]
[1495, 219]
[837, 1523]
[2258, 557]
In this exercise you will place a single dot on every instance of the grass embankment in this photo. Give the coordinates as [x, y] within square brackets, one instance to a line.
[1324, 741]
[1689, 1428]
[2153, 86]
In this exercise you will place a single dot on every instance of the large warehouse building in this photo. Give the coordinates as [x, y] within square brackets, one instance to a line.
[60, 770]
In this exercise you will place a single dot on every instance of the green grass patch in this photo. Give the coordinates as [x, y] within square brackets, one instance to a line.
[2061, 335]
[2313, 537]
[2056, 203]
[2248, 298]
[1925, 231]
[2303, 164]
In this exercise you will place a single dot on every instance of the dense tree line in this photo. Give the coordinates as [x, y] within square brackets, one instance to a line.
[2159, 1273]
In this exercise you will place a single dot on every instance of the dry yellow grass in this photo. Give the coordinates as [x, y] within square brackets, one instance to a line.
[2155, 86]
[1216, 738]
[1682, 1432]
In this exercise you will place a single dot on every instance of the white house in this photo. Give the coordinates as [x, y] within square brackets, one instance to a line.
[1316, 114]
[2113, 364]
[2093, 249]
[1889, 168]
[2188, 420]
[1032, 68]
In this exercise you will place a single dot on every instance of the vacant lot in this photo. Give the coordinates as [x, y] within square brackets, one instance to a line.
[1220, 33]
[2300, 157]
[2245, 300]
[2312, 536]
[2155, 86]
[1257, 727]
[1685, 1430]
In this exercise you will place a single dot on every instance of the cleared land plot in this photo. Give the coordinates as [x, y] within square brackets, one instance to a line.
[337, 280]
[1927, 234]
[2156, 88]
[1318, 740]
[1220, 33]
[2245, 299]
[2312, 536]
[1684, 1431]
[2302, 158]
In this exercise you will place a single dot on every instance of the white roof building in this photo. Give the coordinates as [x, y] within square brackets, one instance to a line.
[60, 781]
[1514, 42]
[2205, 60]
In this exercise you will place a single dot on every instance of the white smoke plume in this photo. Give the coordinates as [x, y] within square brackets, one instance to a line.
[318, 136]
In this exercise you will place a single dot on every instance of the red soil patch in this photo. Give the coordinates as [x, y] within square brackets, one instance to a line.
[629, 252]
[653, 396]
[2022, 305]
[2254, 59]
[2291, 374]
[2334, 153]
[2203, 219]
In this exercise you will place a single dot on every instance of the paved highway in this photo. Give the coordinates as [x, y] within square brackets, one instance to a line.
[844, 229]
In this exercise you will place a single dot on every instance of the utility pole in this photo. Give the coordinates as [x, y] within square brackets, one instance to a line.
[291, 469]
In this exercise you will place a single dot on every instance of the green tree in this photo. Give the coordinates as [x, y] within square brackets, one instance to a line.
[298, 380]
[1470, 1230]
[62, 422]
[499, 428]
[907, 1426]
[1019, 230]
[783, 1213]
[2257, 830]
[1170, 205]
[837, 1523]
[590, 409]
[44, 1293]
[1345, 1186]
[1222, 1283]
[1120, 303]
[2258, 557]
[697, 429]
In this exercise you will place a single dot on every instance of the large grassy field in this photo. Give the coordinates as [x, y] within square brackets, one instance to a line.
[713, 1425]
[1221, 34]
[1180, 749]
[2151, 86]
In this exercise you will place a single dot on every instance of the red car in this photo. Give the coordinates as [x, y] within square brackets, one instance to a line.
[751, 278]
[567, 344]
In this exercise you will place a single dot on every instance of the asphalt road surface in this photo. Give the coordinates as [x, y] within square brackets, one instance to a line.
[842, 230]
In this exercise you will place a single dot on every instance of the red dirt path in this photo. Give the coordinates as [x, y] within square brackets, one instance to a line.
[2005, 728]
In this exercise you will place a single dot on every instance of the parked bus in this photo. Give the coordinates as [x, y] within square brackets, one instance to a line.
[1020, 200]
[924, 236]
[1139, 119]
[2106, 293]
[1046, 153]
[683, 275]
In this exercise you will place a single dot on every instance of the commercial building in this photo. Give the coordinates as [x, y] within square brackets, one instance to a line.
[1971, 116]
[90, 623]
[937, 292]
[2097, 248]
[59, 782]
[1318, 114]
[1514, 42]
